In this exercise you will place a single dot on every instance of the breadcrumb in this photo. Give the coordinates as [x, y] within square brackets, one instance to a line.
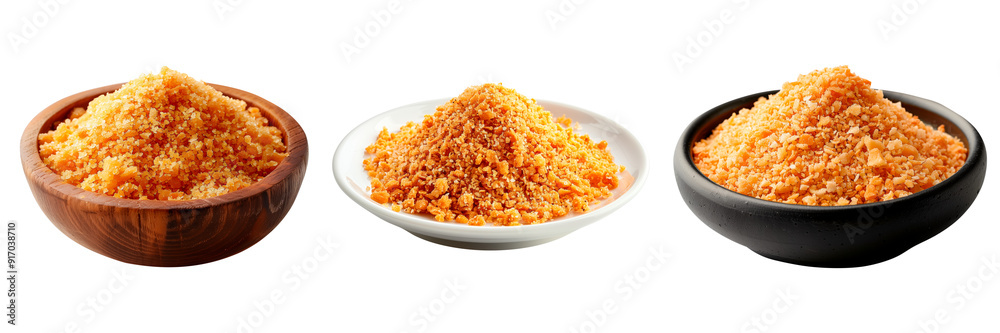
[828, 139]
[490, 155]
[163, 136]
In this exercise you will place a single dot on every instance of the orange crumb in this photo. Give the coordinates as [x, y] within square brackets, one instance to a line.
[490, 155]
[827, 139]
[163, 136]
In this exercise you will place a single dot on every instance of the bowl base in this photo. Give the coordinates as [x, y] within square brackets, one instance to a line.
[836, 263]
[484, 246]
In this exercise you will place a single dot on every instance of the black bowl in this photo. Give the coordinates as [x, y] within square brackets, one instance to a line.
[837, 236]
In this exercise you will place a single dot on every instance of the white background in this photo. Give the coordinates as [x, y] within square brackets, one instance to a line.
[612, 57]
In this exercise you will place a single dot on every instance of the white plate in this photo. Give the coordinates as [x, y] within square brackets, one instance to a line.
[354, 180]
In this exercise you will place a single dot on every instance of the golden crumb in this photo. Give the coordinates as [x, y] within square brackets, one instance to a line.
[163, 136]
[490, 155]
[827, 139]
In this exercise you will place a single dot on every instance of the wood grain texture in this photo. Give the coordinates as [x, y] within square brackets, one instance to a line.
[166, 233]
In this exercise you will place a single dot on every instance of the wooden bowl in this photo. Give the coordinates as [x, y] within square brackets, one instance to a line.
[166, 233]
[832, 236]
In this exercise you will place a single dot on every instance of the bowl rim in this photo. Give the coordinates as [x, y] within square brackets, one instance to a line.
[975, 146]
[36, 171]
[488, 234]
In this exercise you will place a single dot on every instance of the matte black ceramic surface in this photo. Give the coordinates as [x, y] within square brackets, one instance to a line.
[841, 236]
